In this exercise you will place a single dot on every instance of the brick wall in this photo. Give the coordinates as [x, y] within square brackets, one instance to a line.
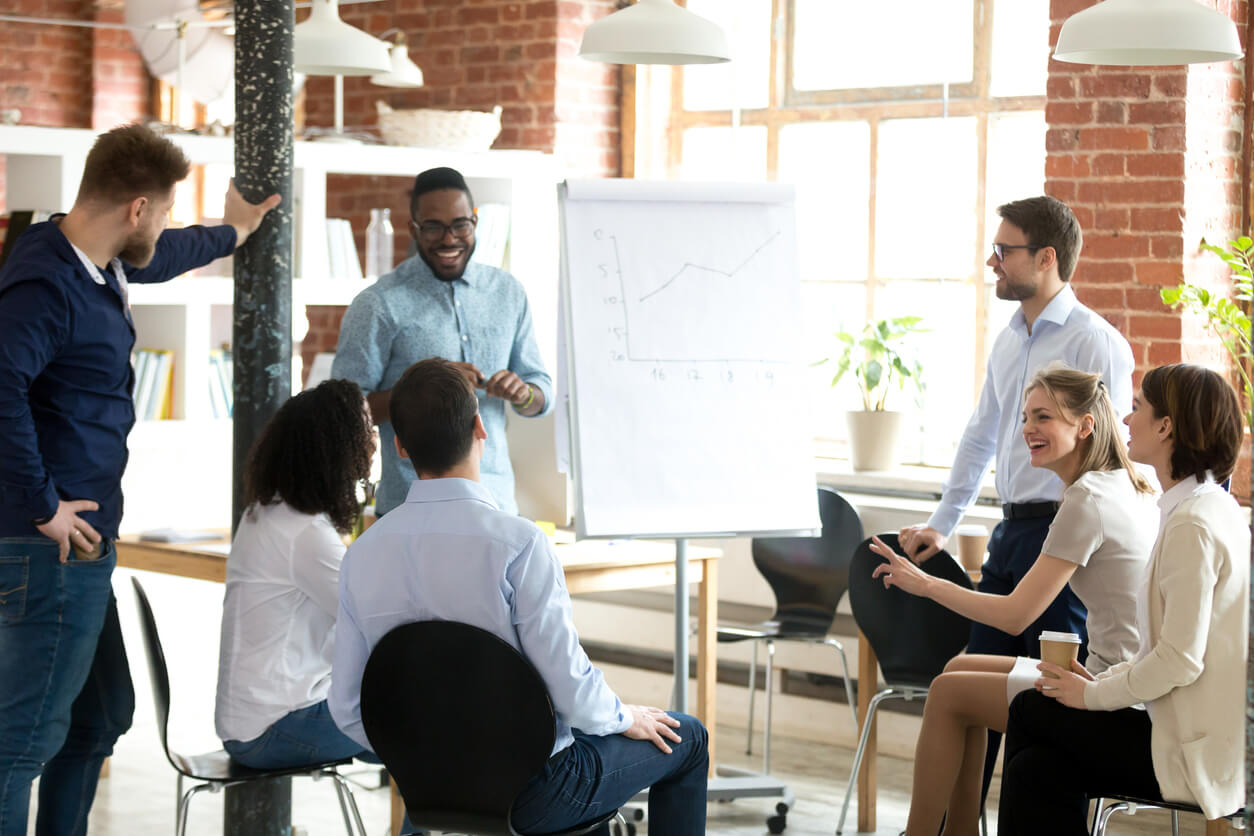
[69, 77]
[475, 54]
[1149, 159]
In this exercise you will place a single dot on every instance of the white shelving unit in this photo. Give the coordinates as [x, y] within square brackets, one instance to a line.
[180, 470]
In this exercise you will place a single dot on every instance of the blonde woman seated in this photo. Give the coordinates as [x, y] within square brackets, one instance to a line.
[1099, 542]
[1085, 736]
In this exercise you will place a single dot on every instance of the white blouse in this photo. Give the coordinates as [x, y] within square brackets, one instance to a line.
[278, 618]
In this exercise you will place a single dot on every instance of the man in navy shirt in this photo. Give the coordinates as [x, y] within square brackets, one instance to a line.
[65, 410]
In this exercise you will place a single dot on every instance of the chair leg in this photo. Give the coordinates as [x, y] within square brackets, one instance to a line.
[850, 688]
[347, 803]
[1097, 810]
[1104, 816]
[857, 756]
[181, 822]
[1175, 823]
[753, 695]
[770, 691]
[178, 798]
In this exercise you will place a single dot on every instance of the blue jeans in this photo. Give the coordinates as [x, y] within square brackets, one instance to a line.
[302, 737]
[599, 774]
[65, 686]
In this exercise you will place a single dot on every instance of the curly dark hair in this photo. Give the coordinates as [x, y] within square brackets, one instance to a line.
[313, 453]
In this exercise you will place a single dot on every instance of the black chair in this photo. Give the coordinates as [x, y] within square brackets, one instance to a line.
[216, 769]
[1130, 804]
[809, 576]
[913, 638]
[462, 722]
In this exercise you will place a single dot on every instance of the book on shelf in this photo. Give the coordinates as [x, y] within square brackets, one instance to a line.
[154, 384]
[342, 259]
[221, 391]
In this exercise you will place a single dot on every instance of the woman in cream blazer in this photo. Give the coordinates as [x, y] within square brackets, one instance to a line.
[1170, 723]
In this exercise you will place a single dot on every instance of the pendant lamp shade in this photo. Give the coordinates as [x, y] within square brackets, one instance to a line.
[404, 72]
[326, 45]
[654, 32]
[1147, 32]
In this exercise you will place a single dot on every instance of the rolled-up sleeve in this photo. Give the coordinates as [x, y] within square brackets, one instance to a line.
[365, 343]
[525, 360]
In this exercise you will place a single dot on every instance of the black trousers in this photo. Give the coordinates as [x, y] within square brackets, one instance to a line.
[1057, 758]
[1012, 552]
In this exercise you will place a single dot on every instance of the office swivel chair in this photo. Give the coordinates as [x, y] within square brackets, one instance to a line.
[913, 638]
[216, 770]
[809, 576]
[462, 722]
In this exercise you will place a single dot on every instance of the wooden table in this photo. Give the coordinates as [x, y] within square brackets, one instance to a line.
[591, 566]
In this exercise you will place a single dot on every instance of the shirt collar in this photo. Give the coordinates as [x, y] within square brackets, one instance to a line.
[115, 264]
[449, 490]
[1179, 492]
[1057, 311]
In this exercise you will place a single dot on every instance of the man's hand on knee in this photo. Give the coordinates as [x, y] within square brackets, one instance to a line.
[649, 723]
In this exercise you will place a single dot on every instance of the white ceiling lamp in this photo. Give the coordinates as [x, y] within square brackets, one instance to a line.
[404, 72]
[1149, 33]
[326, 45]
[655, 32]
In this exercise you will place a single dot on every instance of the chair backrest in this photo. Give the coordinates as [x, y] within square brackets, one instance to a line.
[157, 670]
[809, 575]
[461, 720]
[913, 637]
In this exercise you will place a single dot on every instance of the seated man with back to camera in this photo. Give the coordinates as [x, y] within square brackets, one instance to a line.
[449, 553]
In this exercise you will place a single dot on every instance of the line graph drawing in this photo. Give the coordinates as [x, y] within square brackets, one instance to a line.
[678, 291]
[688, 265]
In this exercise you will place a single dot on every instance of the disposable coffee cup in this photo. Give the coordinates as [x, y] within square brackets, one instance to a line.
[1059, 649]
[972, 544]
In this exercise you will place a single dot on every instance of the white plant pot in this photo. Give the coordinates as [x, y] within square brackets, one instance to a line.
[873, 439]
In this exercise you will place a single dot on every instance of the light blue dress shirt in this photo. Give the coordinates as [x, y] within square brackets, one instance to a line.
[1065, 332]
[448, 553]
[409, 315]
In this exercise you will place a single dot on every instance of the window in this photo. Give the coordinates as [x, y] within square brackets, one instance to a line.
[903, 125]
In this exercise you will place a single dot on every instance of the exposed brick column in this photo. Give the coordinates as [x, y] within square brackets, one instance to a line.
[1148, 157]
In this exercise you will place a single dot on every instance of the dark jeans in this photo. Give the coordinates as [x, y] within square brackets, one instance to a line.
[601, 774]
[303, 737]
[65, 686]
[1057, 758]
[1012, 550]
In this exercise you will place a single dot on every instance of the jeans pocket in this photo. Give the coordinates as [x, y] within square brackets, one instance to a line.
[14, 579]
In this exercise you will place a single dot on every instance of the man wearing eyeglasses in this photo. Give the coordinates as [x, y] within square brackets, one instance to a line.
[1034, 255]
[439, 303]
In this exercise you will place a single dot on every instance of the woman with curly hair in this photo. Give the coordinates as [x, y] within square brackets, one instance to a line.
[282, 579]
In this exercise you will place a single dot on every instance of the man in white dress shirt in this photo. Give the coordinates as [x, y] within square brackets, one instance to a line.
[1034, 256]
[449, 553]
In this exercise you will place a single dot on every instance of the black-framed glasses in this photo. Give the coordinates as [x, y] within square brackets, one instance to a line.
[999, 250]
[435, 231]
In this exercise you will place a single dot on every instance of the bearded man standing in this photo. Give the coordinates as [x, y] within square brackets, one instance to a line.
[439, 303]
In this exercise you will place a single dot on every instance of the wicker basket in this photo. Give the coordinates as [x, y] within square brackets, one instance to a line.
[425, 127]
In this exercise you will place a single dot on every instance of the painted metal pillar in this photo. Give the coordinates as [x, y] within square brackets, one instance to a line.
[262, 335]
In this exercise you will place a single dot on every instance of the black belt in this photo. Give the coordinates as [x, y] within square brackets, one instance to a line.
[1029, 510]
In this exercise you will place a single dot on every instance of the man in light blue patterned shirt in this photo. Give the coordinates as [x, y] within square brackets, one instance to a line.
[448, 553]
[439, 303]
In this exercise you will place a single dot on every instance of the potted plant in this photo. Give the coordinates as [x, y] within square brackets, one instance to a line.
[879, 360]
[1226, 318]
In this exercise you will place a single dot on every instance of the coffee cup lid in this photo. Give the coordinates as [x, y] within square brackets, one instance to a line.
[972, 530]
[1053, 636]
